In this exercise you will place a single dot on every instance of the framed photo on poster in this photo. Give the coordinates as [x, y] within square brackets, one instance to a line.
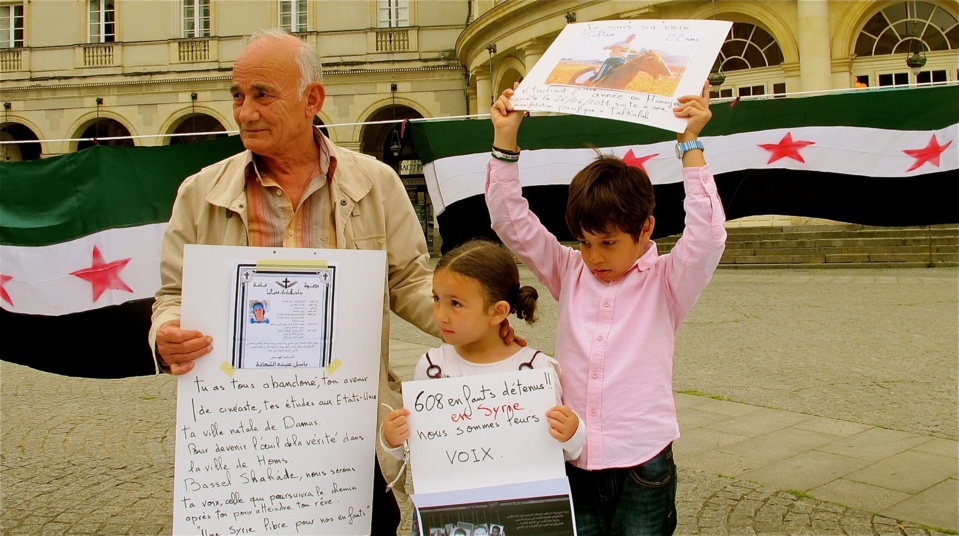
[283, 316]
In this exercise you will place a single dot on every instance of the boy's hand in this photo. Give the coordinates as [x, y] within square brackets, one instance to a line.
[395, 428]
[505, 120]
[507, 333]
[696, 108]
[562, 423]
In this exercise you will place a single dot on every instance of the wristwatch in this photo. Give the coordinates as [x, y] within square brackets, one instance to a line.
[687, 145]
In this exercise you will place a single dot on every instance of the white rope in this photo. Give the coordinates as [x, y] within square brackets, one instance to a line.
[483, 116]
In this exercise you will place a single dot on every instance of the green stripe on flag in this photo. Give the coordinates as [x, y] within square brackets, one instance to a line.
[63, 198]
[896, 109]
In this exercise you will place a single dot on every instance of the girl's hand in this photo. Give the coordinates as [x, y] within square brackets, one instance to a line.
[563, 423]
[696, 108]
[395, 428]
[506, 120]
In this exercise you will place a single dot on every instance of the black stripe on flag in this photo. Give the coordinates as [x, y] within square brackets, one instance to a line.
[880, 201]
[109, 342]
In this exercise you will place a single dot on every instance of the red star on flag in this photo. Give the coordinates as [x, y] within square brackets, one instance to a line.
[3, 292]
[631, 159]
[930, 153]
[786, 148]
[103, 275]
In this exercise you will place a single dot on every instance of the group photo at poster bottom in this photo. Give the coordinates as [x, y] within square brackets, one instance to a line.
[539, 516]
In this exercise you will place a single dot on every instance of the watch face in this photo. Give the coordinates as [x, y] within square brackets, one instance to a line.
[679, 151]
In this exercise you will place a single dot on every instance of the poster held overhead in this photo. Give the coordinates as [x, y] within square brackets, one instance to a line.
[629, 70]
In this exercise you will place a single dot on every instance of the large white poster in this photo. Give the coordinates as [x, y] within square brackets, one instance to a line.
[276, 427]
[630, 70]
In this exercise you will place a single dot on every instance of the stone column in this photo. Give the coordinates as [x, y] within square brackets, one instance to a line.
[484, 91]
[532, 52]
[814, 51]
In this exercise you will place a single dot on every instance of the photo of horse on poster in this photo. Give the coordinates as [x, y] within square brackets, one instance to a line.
[622, 64]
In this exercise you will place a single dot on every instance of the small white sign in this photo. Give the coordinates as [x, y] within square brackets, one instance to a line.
[411, 167]
[487, 430]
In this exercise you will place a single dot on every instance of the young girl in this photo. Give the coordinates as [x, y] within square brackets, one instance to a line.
[475, 287]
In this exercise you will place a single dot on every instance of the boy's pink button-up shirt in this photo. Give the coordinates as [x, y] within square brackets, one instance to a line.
[614, 341]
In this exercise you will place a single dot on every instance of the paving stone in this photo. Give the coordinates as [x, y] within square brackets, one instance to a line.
[910, 472]
[934, 507]
[804, 471]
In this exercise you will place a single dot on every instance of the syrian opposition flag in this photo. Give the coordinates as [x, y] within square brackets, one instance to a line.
[80, 254]
[877, 157]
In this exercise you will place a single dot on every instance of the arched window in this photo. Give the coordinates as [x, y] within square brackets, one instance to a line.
[910, 27]
[747, 47]
[903, 28]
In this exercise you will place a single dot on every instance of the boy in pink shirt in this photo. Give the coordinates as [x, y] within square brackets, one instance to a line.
[620, 304]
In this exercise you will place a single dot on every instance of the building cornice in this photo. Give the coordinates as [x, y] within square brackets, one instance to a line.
[194, 80]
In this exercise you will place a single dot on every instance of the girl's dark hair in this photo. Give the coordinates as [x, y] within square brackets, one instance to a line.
[493, 266]
[609, 193]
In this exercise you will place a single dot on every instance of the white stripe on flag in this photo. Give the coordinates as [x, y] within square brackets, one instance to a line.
[858, 151]
[41, 276]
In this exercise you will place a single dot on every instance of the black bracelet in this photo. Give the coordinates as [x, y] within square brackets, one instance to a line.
[505, 156]
[504, 151]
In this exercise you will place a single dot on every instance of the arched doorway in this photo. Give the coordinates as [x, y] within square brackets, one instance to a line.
[197, 127]
[105, 128]
[391, 143]
[506, 81]
[387, 142]
[16, 152]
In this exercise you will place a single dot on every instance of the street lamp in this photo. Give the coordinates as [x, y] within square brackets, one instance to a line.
[916, 59]
[716, 76]
[395, 146]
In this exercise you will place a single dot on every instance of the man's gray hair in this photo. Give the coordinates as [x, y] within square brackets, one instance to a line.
[311, 69]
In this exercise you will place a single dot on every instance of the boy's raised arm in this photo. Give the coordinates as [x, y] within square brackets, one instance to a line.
[506, 120]
[696, 108]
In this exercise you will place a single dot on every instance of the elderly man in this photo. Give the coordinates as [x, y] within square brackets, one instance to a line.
[293, 187]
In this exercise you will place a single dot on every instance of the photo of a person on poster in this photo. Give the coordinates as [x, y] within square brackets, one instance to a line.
[258, 313]
[618, 52]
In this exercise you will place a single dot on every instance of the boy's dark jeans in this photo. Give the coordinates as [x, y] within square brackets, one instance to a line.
[638, 500]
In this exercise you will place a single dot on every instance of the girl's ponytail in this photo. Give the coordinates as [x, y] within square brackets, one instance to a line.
[525, 304]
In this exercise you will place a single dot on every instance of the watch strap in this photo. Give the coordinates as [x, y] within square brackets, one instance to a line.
[681, 148]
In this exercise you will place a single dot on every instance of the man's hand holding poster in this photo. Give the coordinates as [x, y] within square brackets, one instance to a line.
[481, 454]
[630, 70]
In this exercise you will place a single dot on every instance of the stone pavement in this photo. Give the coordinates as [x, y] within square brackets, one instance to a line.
[810, 402]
